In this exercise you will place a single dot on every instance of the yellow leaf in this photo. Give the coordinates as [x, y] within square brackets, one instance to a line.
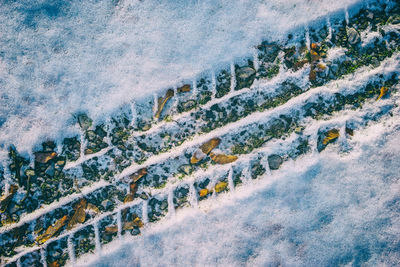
[203, 192]
[138, 222]
[210, 145]
[223, 159]
[163, 101]
[139, 174]
[44, 157]
[184, 88]
[52, 230]
[321, 66]
[6, 200]
[330, 135]
[383, 92]
[219, 187]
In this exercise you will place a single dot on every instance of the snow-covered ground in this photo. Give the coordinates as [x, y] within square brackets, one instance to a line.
[61, 57]
[325, 210]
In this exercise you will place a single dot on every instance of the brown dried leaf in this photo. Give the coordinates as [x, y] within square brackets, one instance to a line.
[52, 230]
[330, 135]
[93, 208]
[162, 102]
[6, 200]
[313, 75]
[184, 88]
[111, 229]
[222, 158]
[44, 157]
[210, 145]
[128, 198]
[79, 215]
[139, 174]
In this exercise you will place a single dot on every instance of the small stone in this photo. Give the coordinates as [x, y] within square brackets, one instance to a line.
[245, 72]
[353, 36]
[164, 205]
[106, 204]
[84, 121]
[274, 161]
[186, 169]
[144, 196]
[135, 231]
[188, 104]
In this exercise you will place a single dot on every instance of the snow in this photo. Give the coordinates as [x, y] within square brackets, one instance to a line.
[321, 210]
[62, 57]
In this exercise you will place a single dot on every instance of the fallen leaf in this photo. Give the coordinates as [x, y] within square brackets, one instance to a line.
[184, 88]
[313, 75]
[128, 198]
[52, 230]
[162, 102]
[54, 264]
[314, 56]
[111, 229]
[383, 92]
[6, 200]
[330, 135]
[314, 46]
[222, 158]
[44, 157]
[210, 145]
[79, 215]
[321, 66]
[219, 187]
[138, 222]
[197, 156]
[139, 174]
[203, 192]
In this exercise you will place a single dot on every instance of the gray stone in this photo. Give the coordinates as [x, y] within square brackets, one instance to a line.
[245, 72]
[353, 36]
[274, 161]
[164, 205]
[84, 121]
[107, 204]
[186, 169]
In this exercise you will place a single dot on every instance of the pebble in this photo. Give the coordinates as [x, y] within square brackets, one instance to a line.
[274, 161]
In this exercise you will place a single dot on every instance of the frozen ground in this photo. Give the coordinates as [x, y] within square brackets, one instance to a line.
[327, 210]
[61, 57]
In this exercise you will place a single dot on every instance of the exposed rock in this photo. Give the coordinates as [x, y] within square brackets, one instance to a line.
[274, 161]
[84, 121]
[353, 36]
[245, 72]
[107, 204]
